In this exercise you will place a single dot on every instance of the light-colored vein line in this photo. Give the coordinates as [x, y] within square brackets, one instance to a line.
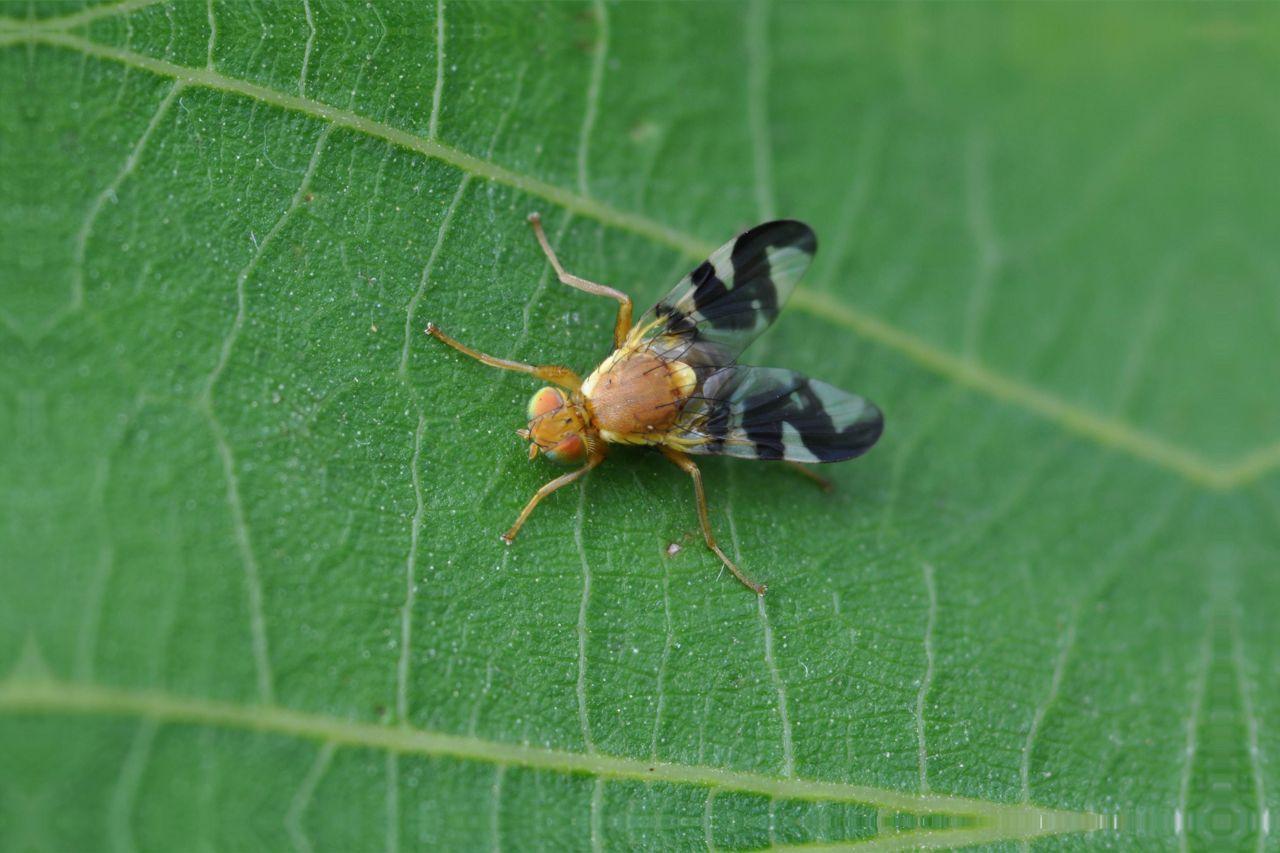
[108, 193]
[766, 630]
[371, 57]
[410, 582]
[213, 36]
[1125, 148]
[667, 644]
[1105, 431]
[409, 310]
[1042, 710]
[393, 802]
[237, 324]
[923, 425]
[853, 208]
[597, 815]
[780, 687]
[1251, 467]
[1140, 343]
[476, 166]
[303, 796]
[204, 784]
[757, 24]
[708, 819]
[91, 624]
[1251, 729]
[86, 16]
[581, 687]
[594, 85]
[926, 682]
[965, 838]
[495, 809]
[985, 237]
[1192, 741]
[125, 793]
[257, 619]
[437, 92]
[306, 50]
[1101, 430]
[25, 694]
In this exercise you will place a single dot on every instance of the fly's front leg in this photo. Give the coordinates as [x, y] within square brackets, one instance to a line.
[563, 480]
[562, 376]
[687, 465]
[623, 323]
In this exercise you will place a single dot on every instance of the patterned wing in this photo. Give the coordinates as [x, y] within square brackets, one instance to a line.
[730, 298]
[770, 413]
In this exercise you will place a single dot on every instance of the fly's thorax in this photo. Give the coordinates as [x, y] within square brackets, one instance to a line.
[636, 397]
[559, 427]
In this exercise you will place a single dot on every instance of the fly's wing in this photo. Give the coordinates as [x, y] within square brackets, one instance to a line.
[770, 413]
[730, 298]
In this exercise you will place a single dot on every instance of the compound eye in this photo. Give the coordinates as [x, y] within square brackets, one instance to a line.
[545, 401]
[570, 451]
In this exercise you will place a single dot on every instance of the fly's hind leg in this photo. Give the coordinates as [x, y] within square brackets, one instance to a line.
[559, 482]
[623, 324]
[823, 483]
[562, 376]
[687, 465]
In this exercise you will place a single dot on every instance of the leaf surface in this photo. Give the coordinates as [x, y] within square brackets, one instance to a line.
[253, 594]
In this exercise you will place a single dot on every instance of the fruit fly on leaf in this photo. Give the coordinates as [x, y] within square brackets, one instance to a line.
[673, 382]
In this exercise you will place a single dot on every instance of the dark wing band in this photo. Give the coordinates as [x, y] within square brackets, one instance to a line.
[730, 298]
[770, 413]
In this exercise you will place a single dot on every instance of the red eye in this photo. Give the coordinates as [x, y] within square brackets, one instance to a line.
[546, 400]
[570, 451]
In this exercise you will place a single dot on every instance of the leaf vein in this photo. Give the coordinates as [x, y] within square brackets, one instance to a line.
[303, 796]
[1105, 431]
[594, 85]
[25, 694]
[125, 794]
[108, 193]
[926, 682]
[757, 80]
[204, 403]
[410, 583]
[437, 91]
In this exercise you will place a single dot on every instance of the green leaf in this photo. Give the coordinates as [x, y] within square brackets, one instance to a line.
[253, 593]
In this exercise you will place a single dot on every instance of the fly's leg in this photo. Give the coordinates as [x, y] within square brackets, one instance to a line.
[687, 465]
[562, 376]
[563, 480]
[823, 483]
[623, 323]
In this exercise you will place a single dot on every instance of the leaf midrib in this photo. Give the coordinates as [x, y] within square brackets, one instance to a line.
[26, 694]
[1104, 431]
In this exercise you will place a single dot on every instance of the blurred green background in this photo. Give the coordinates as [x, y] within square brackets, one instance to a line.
[251, 590]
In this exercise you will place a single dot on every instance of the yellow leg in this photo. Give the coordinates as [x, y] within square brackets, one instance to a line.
[558, 482]
[687, 465]
[562, 376]
[823, 483]
[623, 323]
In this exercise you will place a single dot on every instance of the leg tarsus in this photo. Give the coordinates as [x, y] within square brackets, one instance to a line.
[684, 463]
[562, 376]
[800, 468]
[548, 488]
[623, 324]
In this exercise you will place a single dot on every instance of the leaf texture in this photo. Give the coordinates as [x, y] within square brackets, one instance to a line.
[252, 589]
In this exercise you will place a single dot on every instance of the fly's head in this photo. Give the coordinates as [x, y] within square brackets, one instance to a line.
[558, 428]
